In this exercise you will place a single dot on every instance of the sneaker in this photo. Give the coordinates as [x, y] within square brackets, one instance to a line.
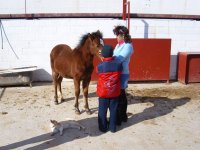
[125, 119]
[104, 131]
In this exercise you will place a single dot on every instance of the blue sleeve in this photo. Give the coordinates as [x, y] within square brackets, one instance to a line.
[127, 51]
[121, 67]
[99, 68]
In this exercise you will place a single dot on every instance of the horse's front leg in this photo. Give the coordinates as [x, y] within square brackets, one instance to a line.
[54, 76]
[77, 93]
[60, 78]
[85, 93]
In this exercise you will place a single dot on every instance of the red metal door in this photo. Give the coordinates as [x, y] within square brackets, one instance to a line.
[189, 67]
[194, 69]
[150, 61]
[182, 63]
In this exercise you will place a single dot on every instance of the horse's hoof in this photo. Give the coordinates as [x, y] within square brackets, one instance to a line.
[62, 100]
[77, 111]
[88, 112]
[56, 102]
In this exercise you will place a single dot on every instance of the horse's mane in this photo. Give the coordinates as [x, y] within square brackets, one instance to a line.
[82, 40]
[85, 36]
[97, 34]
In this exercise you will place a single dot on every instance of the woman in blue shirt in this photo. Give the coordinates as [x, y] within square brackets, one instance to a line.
[122, 53]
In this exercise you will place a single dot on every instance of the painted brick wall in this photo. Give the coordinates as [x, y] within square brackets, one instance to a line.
[60, 6]
[184, 35]
[189, 7]
[32, 40]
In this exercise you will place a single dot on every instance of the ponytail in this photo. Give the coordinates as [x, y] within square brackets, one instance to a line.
[122, 30]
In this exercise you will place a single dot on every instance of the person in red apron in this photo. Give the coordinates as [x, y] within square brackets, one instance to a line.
[108, 89]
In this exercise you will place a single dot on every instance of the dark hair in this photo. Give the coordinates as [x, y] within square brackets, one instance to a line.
[122, 30]
[107, 51]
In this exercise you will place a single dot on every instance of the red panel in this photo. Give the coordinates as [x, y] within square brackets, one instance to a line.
[189, 67]
[194, 69]
[182, 61]
[151, 59]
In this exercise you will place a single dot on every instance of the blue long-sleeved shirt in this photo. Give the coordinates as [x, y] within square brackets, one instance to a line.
[123, 54]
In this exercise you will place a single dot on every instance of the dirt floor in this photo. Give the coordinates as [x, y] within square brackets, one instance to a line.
[161, 117]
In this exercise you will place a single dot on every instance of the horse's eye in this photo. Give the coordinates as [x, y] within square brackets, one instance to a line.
[99, 45]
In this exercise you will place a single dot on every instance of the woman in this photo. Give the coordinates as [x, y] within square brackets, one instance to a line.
[122, 53]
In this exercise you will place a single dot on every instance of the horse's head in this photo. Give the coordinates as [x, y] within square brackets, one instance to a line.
[96, 43]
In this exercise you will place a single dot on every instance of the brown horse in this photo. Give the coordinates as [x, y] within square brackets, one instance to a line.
[76, 64]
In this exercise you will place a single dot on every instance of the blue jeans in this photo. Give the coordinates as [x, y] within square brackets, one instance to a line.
[124, 80]
[122, 106]
[104, 105]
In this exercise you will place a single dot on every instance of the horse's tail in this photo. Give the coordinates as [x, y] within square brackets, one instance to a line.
[51, 61]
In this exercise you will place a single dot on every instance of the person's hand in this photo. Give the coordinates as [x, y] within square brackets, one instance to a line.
[100, 55]
[100, 52]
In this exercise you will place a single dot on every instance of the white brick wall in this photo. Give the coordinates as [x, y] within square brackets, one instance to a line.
[185, 35]
[60, 6]
[33, 40]
[189, 7]
[12, 6]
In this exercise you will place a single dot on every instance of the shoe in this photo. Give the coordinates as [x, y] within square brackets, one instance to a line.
[124, 119]
[119, 123]
[104, 131]
[113, 131]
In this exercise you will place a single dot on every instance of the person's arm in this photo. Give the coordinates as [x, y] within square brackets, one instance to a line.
[99, 68]
[126, 52]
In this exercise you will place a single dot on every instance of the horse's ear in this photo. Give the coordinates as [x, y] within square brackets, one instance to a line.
[99, 33]
[90, 36]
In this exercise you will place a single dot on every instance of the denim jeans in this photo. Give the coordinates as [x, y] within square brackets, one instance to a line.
[104, 105]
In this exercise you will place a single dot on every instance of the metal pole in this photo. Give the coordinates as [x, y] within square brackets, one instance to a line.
[1, 34]
[128, 15]
[124, 10]
[25, 6]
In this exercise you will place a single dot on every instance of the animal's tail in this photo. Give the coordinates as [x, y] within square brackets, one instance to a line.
[76, 122]
[52, 62]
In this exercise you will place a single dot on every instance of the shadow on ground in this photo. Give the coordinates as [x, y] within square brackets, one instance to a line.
[45, 141]
[161, 106]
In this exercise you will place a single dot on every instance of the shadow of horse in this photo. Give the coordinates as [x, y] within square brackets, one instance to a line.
[2, 92]
[161, 106]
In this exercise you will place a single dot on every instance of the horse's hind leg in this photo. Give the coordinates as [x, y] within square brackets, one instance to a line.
[59, 79]
[77, 93]
[55, 81]
[85, 85]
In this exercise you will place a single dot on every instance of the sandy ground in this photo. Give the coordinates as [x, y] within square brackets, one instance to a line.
[161, 117]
